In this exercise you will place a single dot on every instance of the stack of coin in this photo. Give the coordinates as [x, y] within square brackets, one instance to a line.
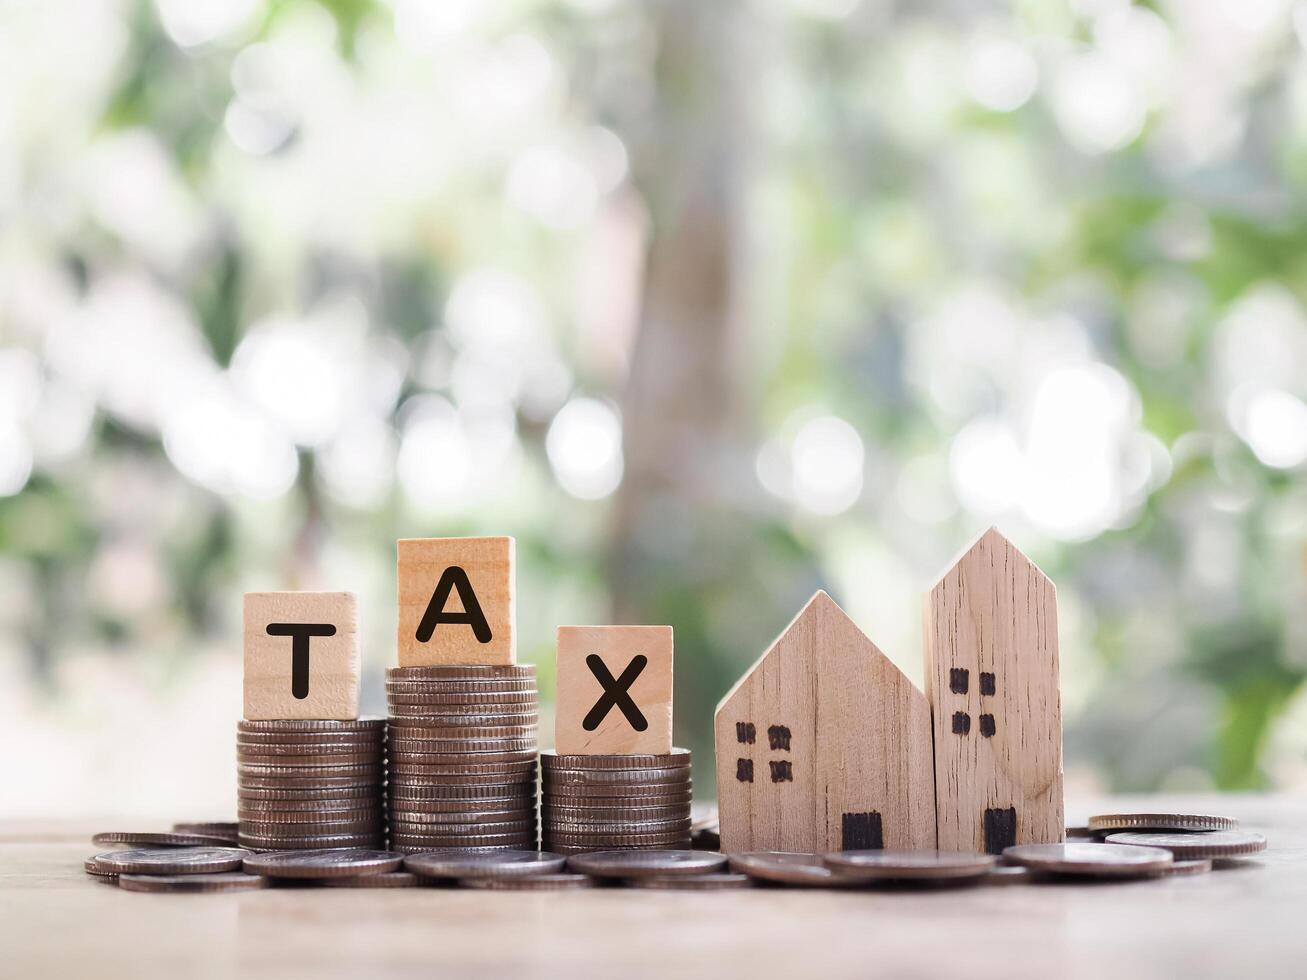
[615, 802]
[311, 784]
[462, 757]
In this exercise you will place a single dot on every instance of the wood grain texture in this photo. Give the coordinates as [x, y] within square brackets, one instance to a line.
[580, 690]
[490, 567]
[333, 661]
[820, 734]
[991, 625]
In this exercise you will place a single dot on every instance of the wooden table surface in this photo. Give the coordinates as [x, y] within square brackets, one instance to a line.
[1242, 922]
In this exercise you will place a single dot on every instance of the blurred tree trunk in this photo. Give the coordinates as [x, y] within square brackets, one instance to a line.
[679, 539]
[679, 403]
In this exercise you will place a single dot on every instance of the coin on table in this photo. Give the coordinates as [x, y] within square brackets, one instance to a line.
[322, 863]
[159, 839]
[1193, 866]
[230, 881]
[452, 863]
[709, 882]
[172, 860]
[677, 758]
[92, 867]
[910, 865]
[1095, 860]
[1104, 822]
[789, 868]
[1214, 844]
[532, 883]
[644, 864]
[311, 725]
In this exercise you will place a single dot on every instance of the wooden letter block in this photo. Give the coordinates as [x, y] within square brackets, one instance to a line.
[614, 690]
[301, 655]
[992, 676]
[456, 601]
[824, 746]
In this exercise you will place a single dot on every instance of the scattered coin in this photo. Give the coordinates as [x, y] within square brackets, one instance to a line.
[230, 881]
[326, 863]
[1095, 860]
[158, 839]
[909, 865]
[643, 864]
[172, 860]
[1160, 821]
[93, 868]
[464, 866]
[1214, 844]
[532, 883]
[386, 879]
[788, 868]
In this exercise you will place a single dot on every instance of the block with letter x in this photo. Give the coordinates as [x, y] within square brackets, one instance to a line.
[301, 655]
[614, 690]
[456, 601]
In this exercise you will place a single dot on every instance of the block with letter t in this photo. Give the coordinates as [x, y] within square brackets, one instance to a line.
[301, 655]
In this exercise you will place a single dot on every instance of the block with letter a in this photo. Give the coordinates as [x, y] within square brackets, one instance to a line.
[301, 655]
[456, 601]
[614, 690]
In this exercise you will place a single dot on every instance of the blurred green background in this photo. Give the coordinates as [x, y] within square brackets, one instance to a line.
[709, 304]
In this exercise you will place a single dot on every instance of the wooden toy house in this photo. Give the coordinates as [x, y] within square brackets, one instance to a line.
[992, 679]
[824, 745]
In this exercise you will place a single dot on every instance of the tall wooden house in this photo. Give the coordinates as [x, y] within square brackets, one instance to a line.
[824, 745]
[992, 680]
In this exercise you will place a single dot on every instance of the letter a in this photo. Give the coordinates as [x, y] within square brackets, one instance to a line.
[454, 578]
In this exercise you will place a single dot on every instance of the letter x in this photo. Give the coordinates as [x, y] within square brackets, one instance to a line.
[616, 692]
[300, 634]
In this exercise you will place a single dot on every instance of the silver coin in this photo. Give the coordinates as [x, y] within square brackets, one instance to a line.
[532, 883]
[160, 839]
[461, 671]
[227, 881]
[501, 864]
[644, 864]
[1105, 822]
[677, 758]
[719, 881]
[1214, 844]
[386, 879]
[909, 865]
[1093, 860]
[312, 725]
[789, 868]
[325, 863]
[172, 860]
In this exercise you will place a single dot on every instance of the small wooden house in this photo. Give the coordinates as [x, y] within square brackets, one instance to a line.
[824, 745]
[992, 679]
